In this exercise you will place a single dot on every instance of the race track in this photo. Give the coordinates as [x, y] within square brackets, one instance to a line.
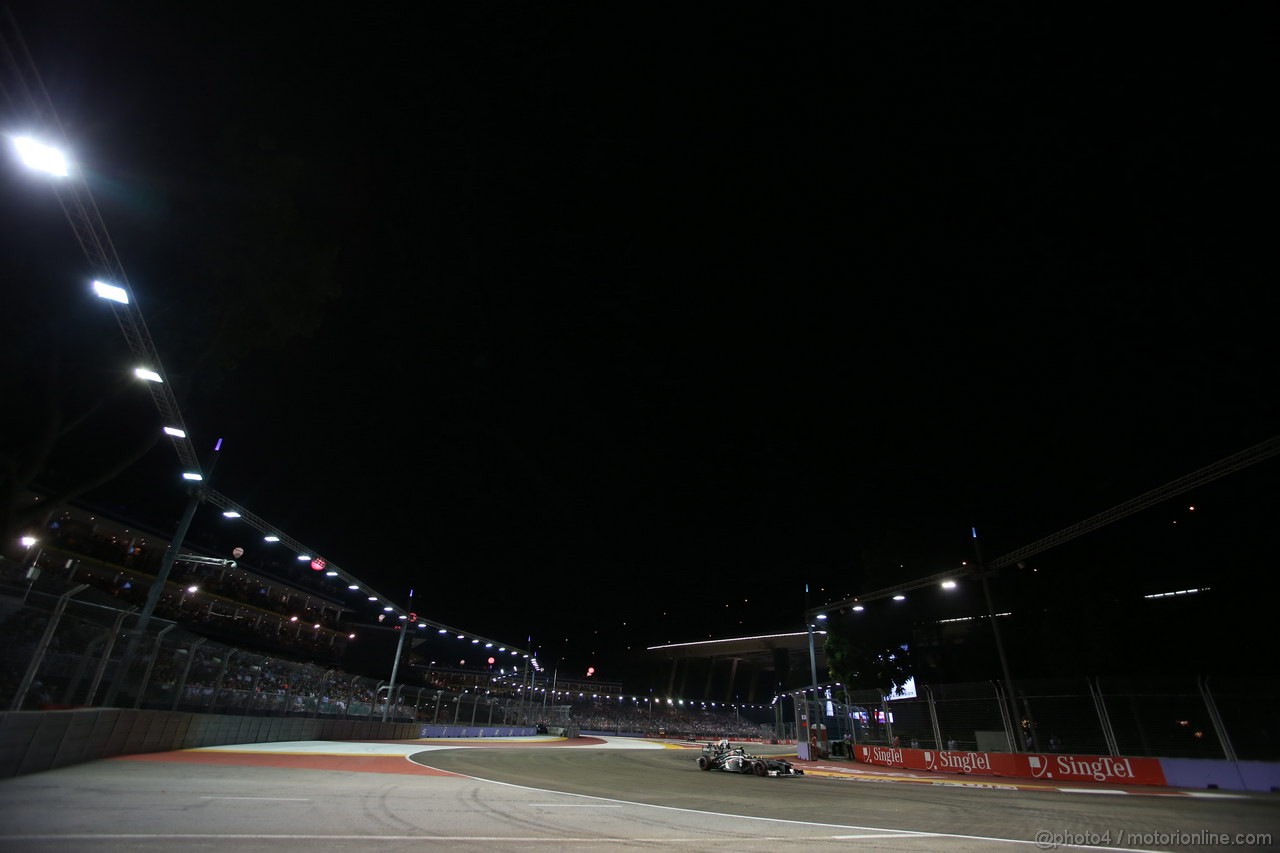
[587, 795]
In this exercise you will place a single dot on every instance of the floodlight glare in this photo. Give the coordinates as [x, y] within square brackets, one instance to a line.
[270, 538]
[858, 608]
[822, 616]
[110, 291]
[353, 586]
[948, 584]
[231, 513]
[304, 557]
[42, 158]
[899, 598]
[175, 432]
[149, 375]
[28, 541]
[188, 475]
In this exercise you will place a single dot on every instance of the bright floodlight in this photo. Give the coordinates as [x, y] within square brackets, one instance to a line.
[41, 157]
[149, 375]
[899, 598]
[270, 538]
[304, 557]
[948, 584]
[231, 513]
[110, 291]
[858, 608]
[175, 432]
[193, 589]
[28, 541]
[822, 616]
[189, 475]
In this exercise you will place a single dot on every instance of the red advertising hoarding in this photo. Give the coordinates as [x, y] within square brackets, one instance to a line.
[1059, 768]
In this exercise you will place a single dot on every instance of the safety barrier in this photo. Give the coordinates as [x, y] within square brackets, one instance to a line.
[33, 741]
[1124, 770]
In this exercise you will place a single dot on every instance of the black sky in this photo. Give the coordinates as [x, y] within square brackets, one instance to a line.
[598, 319]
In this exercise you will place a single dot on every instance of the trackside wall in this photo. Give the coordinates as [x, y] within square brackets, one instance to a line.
[32, 741]
[1173, 772]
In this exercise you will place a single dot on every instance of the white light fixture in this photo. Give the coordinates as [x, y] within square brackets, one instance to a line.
[28, 541]
[110, 291]
[149, 375]
[441, 631]
[231, 513]
[387, 609]
[193, 589]
[899, 597]
[948, 584]
[41, 157]
[189, 475]
[175, 432]
[373, 598]
[353, 586]
[858, 608]
[302, 558]
[331, 574]
[822, 616]
[351, 636]
[270, 538]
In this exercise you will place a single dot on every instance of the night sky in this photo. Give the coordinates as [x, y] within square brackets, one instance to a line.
[617, 325]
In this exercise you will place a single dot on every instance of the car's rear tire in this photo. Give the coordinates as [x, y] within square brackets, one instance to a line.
[704, 763]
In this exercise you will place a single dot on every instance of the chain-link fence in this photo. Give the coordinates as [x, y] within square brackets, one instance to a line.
[1167, 717]
[64, 646]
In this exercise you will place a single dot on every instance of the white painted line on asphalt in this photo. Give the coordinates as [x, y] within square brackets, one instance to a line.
[1093, 791]
[575, 806]
[272, 799]
[456, 839]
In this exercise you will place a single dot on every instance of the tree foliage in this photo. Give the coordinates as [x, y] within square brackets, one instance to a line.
[868, 661]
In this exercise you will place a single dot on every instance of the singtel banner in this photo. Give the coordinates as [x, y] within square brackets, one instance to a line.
[1062, 768]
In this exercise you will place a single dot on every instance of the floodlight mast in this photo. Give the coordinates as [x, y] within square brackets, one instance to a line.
[82, 214]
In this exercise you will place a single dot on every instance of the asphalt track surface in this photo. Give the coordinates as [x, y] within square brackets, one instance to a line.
[584, 794]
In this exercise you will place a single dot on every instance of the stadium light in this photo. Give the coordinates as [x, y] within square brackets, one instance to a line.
[111, 292]
[41, 157]
[149, 375]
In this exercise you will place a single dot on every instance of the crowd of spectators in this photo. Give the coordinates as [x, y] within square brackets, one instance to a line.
[228, 604]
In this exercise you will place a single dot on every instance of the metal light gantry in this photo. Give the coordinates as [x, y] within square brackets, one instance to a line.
[1250, 456]
[81, 211]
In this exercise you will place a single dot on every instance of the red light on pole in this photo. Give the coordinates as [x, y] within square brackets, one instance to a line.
[317, 565]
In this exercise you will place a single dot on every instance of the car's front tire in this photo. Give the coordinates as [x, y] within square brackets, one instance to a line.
[704, 763]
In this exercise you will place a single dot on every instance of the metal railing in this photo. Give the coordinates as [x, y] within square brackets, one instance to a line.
[63, 647]
[1168, 717]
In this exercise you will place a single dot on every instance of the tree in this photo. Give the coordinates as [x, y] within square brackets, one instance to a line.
[867, 661]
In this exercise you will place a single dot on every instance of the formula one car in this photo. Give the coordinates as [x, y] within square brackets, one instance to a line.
[735, 759]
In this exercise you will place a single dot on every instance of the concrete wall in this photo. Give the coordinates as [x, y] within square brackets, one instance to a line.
[32, 741]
